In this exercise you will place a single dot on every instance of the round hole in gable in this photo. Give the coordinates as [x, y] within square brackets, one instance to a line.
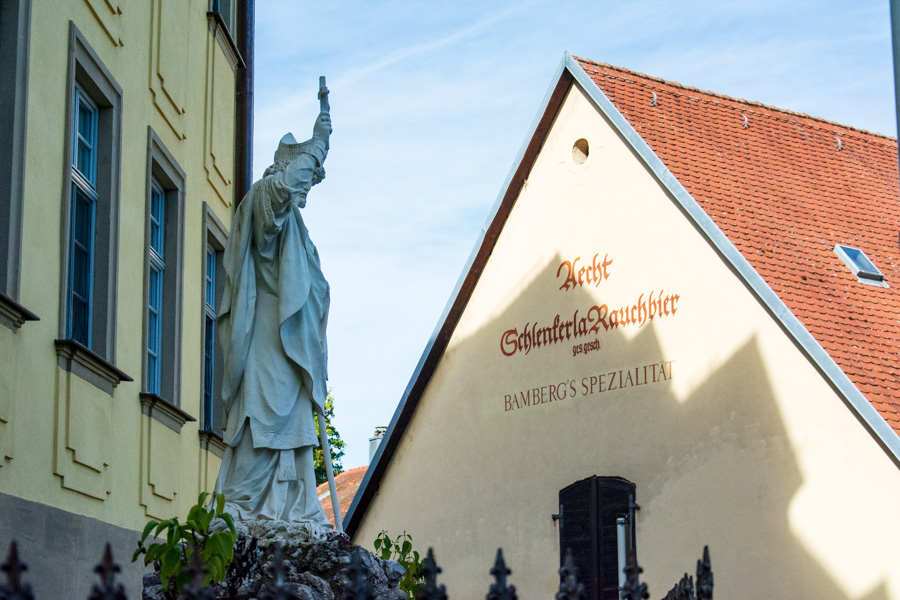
[580, 151]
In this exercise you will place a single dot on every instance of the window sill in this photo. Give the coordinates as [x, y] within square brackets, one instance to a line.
[220, 31]
[157, 407]
[213, 442]
[90, 366]
[13, 314]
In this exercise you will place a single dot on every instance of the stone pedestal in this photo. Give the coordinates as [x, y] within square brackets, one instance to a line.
[315, 566]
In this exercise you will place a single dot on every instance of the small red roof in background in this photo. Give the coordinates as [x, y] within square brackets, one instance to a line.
[785, 194]
[346, 483]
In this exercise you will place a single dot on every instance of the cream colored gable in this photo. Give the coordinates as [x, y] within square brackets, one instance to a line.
[730, 434]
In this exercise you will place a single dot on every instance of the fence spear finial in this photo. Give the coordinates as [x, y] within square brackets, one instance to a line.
[359, 588]
[704, 577]
[569, 588]
[633, 588]
[195, 590]
[430, 590]
[15, 588]
[499, 590]
[108, 588]
[275, 588]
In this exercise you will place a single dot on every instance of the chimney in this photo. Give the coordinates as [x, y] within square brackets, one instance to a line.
[375, 441]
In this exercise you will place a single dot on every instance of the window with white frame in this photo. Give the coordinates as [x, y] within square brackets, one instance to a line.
[163, 269]
[83, 213]
[209, 341]
[90, 225]
[213, 284]
[860, 265]
[157, 269]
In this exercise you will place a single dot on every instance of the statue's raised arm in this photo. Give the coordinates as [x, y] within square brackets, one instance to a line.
[272, 329]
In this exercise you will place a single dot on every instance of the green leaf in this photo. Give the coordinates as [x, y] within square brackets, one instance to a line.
[152, 553]
[190, 526]
[220, 504]
[169, 563]
[407, 546]
[194, 513]
[182, 580]
[161, 526]
[147, 529]
[213, 545]
[215, 567]
[204, 521]
[223, 544]
[201, 500]
[229, 520]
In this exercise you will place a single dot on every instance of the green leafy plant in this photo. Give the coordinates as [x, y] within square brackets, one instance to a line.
[401, 550]
[173, 555]
[334, 441]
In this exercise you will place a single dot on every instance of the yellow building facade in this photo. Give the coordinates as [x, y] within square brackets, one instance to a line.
[117, 169]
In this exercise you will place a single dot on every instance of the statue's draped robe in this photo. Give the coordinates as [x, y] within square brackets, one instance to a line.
[272, 326]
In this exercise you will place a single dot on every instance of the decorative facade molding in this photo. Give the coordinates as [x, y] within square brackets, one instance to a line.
[157, 407]
[90, 366]
[213, 442]
[12, 314]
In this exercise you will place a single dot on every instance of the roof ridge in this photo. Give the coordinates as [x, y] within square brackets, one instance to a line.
[744, 101]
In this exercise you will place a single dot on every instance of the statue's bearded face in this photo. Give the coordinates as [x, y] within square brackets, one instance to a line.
[302, 190]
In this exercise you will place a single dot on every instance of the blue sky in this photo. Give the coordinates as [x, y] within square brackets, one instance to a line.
[431, 101]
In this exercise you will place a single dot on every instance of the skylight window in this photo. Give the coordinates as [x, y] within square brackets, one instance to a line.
[864, 269]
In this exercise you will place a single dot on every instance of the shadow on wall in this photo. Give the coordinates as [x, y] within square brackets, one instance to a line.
[714, 468]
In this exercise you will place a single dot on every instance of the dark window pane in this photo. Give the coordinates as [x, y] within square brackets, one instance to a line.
[85, 121]
[81, 269]
[157, 221]
[211, 279]
[81, 260]
[86, 118]
[209, 373]
[83, 159]
[152, 374]
[84, 219]
[154, 330]
[80, 321]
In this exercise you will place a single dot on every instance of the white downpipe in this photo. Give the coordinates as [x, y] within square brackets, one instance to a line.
[620, 539]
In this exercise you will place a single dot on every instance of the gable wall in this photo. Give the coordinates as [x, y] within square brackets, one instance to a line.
[742, 445]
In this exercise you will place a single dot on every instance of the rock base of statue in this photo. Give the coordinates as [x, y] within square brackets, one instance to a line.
[314, 565]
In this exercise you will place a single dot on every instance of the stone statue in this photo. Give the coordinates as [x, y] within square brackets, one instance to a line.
[272, 323]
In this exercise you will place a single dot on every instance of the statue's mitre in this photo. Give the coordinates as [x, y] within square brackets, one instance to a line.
[289, 148]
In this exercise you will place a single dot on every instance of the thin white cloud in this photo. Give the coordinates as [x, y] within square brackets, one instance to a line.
[429, 116]
[417, 50]
[410, 52]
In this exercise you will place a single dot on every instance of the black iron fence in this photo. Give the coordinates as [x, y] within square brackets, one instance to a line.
[278, 588]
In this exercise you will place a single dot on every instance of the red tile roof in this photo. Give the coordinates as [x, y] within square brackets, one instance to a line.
[346, 483]
[784, 193]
